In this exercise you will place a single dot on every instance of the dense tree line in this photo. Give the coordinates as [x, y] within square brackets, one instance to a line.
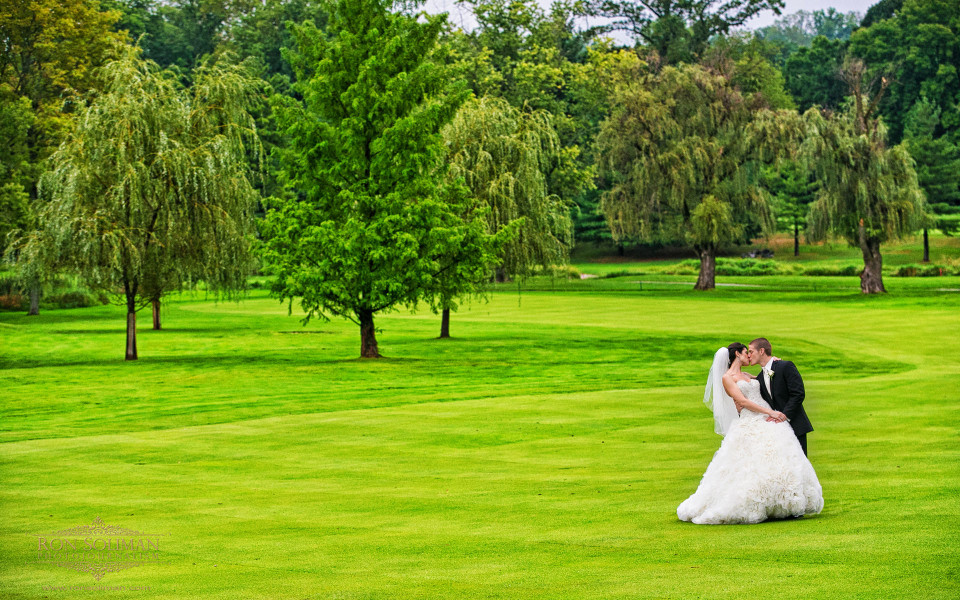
[391, 158]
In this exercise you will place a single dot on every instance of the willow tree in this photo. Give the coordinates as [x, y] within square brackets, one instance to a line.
[868, 190]
[682, 152]
[153, 177]
[505, 155]
[370, 222]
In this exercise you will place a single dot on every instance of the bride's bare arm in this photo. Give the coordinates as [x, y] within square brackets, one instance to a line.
[730, 385]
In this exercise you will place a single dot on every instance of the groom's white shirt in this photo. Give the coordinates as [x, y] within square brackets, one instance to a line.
[766, 376]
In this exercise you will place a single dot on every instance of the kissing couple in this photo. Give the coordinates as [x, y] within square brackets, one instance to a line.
[761, 470]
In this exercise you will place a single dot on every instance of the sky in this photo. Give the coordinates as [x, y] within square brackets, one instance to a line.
[461, 16]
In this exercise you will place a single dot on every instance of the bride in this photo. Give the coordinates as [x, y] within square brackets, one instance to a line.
[760, 471]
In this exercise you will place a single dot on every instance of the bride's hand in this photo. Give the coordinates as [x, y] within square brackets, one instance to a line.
[777, 417]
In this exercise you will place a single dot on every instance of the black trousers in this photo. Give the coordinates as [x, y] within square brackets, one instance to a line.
[803, 443]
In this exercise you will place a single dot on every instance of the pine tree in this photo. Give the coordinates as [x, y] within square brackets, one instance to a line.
[793, 189]
[937, 160]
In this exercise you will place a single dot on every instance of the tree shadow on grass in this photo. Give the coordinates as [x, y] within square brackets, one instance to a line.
[47, 318]
[194, 362]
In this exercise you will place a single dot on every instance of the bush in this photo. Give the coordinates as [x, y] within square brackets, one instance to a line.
[686, 267]
[13, 302]
[71, 299]
[564, 271]
[833, 270]
[749, 266]
[732, 266]
[62, 292]
[615, 274]
[927, 270]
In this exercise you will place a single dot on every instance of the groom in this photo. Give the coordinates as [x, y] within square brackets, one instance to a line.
[782, 387]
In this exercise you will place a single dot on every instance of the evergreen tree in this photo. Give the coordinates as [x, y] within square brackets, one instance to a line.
[793, 188]
[937, 160]
[370, 224]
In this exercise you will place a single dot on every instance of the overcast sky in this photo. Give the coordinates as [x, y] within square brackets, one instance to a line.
[461, 16]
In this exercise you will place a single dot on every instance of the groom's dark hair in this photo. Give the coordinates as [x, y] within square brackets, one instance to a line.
[762, 344]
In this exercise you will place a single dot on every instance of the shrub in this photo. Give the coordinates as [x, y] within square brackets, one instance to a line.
[13, 301]
[77, 298]
[615, 274]
[927, 270]
[833, 270]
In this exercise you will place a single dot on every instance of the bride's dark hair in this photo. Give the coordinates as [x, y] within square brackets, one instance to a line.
[733, 349]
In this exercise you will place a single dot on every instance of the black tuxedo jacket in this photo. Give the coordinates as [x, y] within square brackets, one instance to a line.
[787, 394]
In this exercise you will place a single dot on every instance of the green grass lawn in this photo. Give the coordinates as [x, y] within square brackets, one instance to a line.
[541, 453]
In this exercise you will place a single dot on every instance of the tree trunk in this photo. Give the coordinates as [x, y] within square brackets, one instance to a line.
[34, 301]
[156, 313]
[708, 269]
[871, 280]
[796, 239]
[926, 246]
[619, 249]
[501, 275]
[445, 324]
[368, 336]
[131, 328]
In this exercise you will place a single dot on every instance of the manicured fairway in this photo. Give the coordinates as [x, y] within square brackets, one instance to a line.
[541, 453]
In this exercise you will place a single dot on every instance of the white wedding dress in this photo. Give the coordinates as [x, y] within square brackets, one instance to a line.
[759, 472]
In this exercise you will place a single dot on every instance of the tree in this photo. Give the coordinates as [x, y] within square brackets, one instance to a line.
[179, 33]
[262, 33]
[742, 59]
[937, 160]
[793, 188]
[884, 9]
[369, 224]
[154, 177]
[538, 61]
[682, 149]
[16, 118]
[505, 155]
[50, 49]
[813, 74]
[609, 69]
[918, 49]
[679, 31]
[869, 192]
[798, 30]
